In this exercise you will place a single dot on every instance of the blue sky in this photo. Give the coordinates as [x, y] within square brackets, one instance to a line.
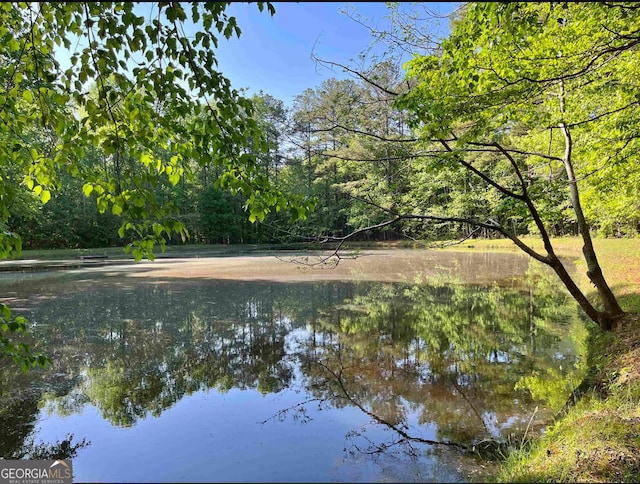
[274, 53]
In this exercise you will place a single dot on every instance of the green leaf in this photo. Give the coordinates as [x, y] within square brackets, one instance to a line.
[146, 159]
[87, 188]
[13, 44]
[174, 178]
[102, 204]
[45, 196]
[6, 312]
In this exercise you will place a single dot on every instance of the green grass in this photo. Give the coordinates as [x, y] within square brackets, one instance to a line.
[597, 442]
[619, 259]
[598, 439]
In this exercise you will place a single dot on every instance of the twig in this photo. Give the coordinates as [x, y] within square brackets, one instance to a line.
[284, 411]
[528, 425]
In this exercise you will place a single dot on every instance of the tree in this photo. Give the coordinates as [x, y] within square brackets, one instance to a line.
[156, 92]
[221, 218]
[507, 95]
[271, 116]
[333, 157]
[533, 102]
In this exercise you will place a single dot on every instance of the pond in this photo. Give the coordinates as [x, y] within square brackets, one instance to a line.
[390, 367]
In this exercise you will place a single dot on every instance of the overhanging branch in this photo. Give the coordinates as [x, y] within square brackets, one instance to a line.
[364, 133]
[486, 178]
[353, 71]
[489, 224]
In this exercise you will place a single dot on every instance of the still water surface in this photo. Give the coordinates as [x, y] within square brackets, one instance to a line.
[326, 375]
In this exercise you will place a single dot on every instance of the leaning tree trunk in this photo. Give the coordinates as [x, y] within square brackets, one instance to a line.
[612, 310]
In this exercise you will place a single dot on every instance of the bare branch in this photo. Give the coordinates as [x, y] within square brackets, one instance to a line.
[488, 224]
[434, 245]
[599, 116]
[619, 5]
[364, 133]
[507, 155]
[362, 230]
[280, 414]
[408, 156]
[510, 150]
[412, 40]
[486, 178]
[402, 433]
[353, 71]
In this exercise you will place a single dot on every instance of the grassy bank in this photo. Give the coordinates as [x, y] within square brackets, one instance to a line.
[597, 439]
[619, 258]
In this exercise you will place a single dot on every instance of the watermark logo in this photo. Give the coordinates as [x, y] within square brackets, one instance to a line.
[36, 471]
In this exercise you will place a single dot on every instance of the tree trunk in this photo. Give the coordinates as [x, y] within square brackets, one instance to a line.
[612, 310]
[575, 291]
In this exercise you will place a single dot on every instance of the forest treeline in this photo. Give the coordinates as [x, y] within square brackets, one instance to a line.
[343, 143]
[348, 147]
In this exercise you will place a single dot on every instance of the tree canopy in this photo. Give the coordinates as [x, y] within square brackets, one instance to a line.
[546, 103]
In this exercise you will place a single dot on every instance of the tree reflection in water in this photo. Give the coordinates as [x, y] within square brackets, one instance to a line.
[435, 362]
[20, 395]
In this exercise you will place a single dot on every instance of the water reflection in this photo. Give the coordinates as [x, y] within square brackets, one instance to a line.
[439, 362]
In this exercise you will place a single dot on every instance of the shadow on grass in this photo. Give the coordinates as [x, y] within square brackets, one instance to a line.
[627, 296]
